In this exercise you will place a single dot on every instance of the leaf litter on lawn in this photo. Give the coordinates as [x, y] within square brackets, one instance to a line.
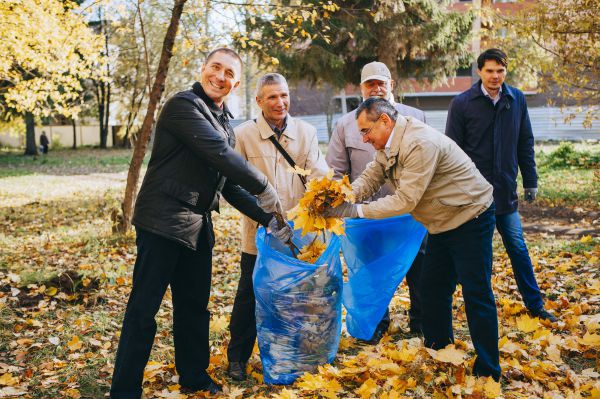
[60, 342]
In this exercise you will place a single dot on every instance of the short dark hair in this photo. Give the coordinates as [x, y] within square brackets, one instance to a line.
[375, 106]
[227, 51]
[492, 54]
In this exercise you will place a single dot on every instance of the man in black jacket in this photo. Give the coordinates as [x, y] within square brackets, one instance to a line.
[192, 164]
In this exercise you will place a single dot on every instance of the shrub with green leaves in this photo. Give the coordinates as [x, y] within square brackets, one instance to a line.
[567, 156]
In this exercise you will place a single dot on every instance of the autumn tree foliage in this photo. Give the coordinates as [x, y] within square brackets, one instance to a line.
[47, 50]
[415, 38]
[557, 43]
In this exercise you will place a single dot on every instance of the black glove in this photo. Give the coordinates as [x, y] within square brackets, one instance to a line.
[344, 210]
[283, 234]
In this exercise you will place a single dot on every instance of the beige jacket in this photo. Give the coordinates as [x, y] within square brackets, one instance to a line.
[299, 139]
[435, 181]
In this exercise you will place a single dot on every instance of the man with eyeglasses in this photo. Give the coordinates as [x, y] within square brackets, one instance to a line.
[439, 185]
[347, 154]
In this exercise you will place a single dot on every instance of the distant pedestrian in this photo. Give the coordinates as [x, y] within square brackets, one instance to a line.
[44, 143]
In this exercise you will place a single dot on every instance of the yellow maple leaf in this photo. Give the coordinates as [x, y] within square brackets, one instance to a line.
[51, 291]
[73, 393]
[554, 354]
[592, 340]
[74, 344]
[8, 380]
[312, 382]
[219, 324]
[586, 239]
[298, 170]
[368, 388]
[450, 354]
[389, 395]
[285, 394]
[320, 194]
[492, 388]
[527, 324]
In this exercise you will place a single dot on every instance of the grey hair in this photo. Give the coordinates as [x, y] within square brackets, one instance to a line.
[269, 79]
[376, 106]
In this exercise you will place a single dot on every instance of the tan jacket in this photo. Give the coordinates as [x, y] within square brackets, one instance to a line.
[435, 181]
[299, 139]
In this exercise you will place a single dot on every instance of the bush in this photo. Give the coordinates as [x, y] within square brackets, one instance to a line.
[566, 156]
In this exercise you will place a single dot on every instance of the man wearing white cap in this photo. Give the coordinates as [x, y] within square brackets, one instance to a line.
[349, 155]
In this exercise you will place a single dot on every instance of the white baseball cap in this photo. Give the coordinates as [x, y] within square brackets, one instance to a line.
[375, 71]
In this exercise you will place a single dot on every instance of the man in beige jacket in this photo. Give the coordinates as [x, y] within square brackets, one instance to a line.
[439, 185]
[299, 140]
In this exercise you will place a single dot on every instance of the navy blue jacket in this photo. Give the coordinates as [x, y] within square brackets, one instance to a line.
[497, 138]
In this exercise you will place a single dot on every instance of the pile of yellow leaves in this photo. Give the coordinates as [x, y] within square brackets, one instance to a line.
[311, 252]
[308, 214]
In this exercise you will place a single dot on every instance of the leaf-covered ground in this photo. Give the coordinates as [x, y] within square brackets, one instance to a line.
[64, 282]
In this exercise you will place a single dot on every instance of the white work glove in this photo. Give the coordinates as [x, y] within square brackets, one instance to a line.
[283, 234]
[530, 194]
[268, 200]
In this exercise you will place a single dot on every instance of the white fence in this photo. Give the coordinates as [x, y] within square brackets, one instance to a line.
[547, 123]
[60, 135]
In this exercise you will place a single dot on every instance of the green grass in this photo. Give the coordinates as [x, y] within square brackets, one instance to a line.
[65, 162]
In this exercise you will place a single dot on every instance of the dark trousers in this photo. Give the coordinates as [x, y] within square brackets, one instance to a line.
[242, 325]
[509, 227]
[161, 262]
[463, 254]
[413, 278]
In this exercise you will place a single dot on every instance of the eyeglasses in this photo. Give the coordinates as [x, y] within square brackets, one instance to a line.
[363, 134]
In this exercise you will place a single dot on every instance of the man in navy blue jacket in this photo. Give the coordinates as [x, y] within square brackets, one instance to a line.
[490, 122]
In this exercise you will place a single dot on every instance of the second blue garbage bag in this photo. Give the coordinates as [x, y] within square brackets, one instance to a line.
[378, 254]
[298, 307]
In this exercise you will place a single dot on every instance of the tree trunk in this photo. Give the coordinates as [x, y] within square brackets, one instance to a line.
[107, 116]
[100, 96]
[30, 146]
[124, 221]
[74, 134]
[247, 87]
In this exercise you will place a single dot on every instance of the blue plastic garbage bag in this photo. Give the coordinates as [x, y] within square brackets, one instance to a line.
[378, 253]
[298, 307]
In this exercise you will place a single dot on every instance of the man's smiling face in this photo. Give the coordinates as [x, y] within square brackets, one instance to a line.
[220, 75]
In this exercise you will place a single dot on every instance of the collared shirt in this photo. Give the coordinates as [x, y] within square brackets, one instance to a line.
[494, 99]
[274, 128]
[388, 145]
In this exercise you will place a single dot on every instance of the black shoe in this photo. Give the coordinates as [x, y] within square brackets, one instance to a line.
[237, 371]
[543, 314]
[211, 388]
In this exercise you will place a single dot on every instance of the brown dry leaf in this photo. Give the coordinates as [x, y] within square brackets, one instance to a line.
[448, 355]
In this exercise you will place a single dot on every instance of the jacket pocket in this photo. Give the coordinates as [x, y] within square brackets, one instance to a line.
[180, 192]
